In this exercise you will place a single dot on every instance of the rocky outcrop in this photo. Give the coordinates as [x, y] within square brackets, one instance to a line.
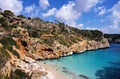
[37, 51]
[84, 46]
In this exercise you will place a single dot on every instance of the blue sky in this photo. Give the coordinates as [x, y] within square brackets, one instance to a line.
[102, 15]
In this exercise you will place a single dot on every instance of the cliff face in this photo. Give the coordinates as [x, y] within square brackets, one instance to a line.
[37, 39]
[45, 52]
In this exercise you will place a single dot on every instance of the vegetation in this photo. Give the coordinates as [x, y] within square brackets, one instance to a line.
[8, 13]
[8, 44]
[18, 74]
[114, 38]
[3, 23]
[4, 52]
[21, 16]
[4, 57]
[2, 77]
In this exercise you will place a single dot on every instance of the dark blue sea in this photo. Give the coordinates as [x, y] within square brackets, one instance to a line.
[96, 64]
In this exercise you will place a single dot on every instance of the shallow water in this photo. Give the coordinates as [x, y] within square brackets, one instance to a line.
[96, 64]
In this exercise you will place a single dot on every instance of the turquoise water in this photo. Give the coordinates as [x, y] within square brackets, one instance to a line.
[94, 63]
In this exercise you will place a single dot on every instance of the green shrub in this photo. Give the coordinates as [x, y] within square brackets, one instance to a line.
[2, 77]
[14, 52]
[8, 13]
[21, 16]
[18, 74]
[8, 43]
[4, 52]
[4, 23]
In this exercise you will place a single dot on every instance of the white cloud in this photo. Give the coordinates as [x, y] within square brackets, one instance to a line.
[96, 9]
[80, 26]
[29, 8]
[115, 13]
[85, 5]
[43, 4]
[31, 11]
[67, 13]
[92, 28]
[50, 12]
[111, 29]
[100, 7]
[102, 12]
[13, 5]
[70, 12]
[114, 19]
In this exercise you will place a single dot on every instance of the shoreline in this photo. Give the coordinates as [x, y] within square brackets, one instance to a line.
[55, 70]
[61, 73]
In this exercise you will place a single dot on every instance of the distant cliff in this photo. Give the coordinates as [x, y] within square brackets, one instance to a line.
[22, 37]
[113, 38]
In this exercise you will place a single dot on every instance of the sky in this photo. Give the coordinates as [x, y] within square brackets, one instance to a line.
[103, 15]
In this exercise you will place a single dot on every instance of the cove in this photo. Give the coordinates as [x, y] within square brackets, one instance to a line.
[96, 64]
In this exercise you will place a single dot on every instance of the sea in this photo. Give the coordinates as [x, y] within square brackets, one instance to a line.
[95, 64]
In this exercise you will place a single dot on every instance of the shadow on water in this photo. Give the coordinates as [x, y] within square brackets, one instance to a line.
[111, 72]
[74, 76]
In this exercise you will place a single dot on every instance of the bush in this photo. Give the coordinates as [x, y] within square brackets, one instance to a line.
[21, 16]
[18, 74]
[34, 34]
[4, 23]
[8, 43]
[4, 52]
[8, 13]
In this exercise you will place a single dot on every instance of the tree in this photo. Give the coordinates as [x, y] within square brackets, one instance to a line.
[21, 16]
[0, 10]
[29, 18]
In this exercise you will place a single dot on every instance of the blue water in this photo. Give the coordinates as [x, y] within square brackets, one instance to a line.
[91, 63]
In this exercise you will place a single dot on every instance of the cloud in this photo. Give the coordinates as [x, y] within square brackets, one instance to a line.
[85, 5]
[67, 13]
[102, 12]
[111, 29]
[115, 13]
[50, 12]
[13, 5]
[114, 19]
[91, 28]
[29, 8]
[80, 26]
[70, 12]
[43, 4]
[31, 11]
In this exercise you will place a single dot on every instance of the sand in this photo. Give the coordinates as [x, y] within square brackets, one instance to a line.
[55, 70]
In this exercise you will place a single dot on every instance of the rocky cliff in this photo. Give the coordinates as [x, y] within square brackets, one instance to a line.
[33, 38]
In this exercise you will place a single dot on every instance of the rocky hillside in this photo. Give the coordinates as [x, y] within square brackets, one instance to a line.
[113, 38]
[22, 37]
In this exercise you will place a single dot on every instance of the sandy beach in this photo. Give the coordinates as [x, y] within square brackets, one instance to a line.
[55, 70]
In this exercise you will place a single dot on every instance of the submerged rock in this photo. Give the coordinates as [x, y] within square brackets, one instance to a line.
[83, 76]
